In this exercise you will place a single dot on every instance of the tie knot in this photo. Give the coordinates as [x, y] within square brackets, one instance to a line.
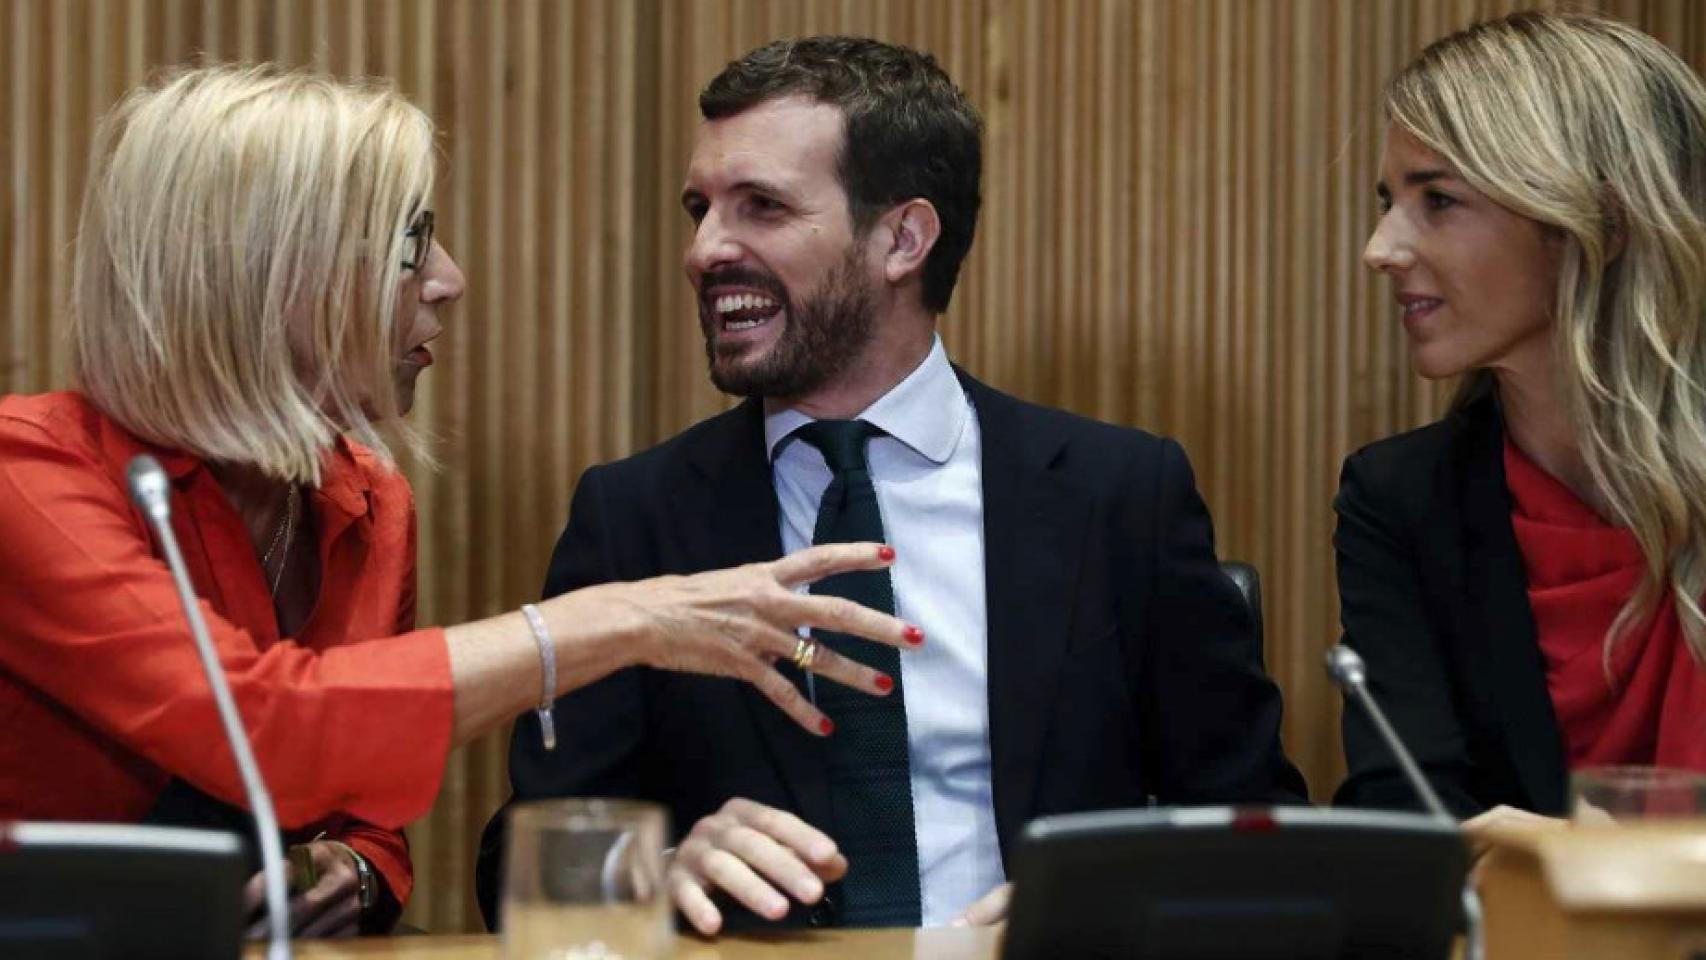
[842, 442]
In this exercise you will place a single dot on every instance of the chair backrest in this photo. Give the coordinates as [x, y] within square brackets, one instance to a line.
[1249, 584]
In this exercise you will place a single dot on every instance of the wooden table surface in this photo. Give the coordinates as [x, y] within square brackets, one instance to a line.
[977, 943]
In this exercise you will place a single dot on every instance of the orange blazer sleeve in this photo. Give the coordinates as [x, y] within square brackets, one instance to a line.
[388, 850]
[93, 622]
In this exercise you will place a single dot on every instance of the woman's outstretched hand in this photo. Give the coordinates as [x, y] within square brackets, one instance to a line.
[738, 622]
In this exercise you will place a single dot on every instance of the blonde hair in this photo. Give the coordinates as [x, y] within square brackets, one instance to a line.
[1598, 131]
[238, 264]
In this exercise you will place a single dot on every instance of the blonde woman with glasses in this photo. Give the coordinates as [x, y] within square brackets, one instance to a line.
[1524, 577]
[256, 288]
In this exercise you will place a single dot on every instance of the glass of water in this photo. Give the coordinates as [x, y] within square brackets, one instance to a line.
[584, 881]
[1636, 793]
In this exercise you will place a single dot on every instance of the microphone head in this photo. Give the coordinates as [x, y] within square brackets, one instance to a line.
[149, 489]
[1345, 667]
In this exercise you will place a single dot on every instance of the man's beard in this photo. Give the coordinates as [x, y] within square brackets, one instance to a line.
[825, 332]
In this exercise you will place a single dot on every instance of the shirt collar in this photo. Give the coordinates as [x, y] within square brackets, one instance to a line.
[343, 481]
[927, 411]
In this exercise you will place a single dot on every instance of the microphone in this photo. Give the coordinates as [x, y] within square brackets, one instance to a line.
[1351, 675]
[151, 492]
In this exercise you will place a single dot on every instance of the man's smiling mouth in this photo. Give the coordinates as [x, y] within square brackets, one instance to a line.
[736, 312]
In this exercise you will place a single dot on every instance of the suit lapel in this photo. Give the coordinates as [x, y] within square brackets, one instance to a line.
[1034, 523]
[1033, 530]
[1499, 621]
[736, 507]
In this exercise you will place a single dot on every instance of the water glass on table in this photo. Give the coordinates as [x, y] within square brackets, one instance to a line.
[584, 881]
[1636, 793]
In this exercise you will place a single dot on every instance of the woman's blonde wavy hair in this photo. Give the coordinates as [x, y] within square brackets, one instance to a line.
[238, 264]
[1598, 131]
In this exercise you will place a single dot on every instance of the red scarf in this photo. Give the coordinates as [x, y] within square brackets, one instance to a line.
[1581, 570]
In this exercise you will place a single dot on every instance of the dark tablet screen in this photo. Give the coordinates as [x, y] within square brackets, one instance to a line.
[1237, 884]
[94, 891]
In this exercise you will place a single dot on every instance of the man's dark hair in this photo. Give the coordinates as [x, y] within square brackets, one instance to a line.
[909, 132]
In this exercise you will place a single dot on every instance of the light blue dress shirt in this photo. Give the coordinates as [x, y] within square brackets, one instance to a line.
[928, 474]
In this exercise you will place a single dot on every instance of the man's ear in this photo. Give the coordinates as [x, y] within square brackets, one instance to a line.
[910, 231]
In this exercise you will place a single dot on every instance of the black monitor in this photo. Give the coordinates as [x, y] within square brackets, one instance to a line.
[98, 891]
[1224, 883]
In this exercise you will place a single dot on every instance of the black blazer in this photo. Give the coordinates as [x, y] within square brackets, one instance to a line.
[1122, 663]
[1433, 594]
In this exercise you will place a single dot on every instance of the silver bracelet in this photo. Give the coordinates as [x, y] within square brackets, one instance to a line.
[548, 666]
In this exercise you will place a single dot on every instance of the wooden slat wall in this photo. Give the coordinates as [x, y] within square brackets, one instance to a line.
[1177, 193]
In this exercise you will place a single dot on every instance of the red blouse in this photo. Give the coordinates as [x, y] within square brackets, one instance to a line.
[1581, 570]
[102, 697]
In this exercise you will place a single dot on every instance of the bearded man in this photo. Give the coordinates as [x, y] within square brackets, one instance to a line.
[1081, 648]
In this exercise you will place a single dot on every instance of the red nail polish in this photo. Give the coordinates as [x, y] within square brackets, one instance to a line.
[827, 726]
[886, 553]
[914, 636]
[885, 683]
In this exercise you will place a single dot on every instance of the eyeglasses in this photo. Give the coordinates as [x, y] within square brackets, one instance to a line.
[417, 243]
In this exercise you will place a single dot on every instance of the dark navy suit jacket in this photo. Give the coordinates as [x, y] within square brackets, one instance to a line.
[1123, 665]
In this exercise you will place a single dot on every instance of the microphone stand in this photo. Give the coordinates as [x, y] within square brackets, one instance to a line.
[151, 492]
[1351, 675]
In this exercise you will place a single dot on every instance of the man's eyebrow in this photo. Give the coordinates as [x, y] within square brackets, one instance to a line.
[691, 195]
[757, 185]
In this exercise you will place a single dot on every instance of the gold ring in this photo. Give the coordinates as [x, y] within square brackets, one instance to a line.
[805, 652]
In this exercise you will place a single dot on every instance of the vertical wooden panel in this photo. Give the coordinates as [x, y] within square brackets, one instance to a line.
[1176, 195]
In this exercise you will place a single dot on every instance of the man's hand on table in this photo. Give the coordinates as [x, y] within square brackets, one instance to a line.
[756, 854]
[329, 908]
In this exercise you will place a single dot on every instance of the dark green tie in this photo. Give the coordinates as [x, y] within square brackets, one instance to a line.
[870, 773]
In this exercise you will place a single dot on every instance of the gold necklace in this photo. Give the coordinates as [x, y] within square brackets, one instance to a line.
[285, 531]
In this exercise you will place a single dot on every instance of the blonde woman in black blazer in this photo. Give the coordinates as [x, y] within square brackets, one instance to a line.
[1543, 223]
